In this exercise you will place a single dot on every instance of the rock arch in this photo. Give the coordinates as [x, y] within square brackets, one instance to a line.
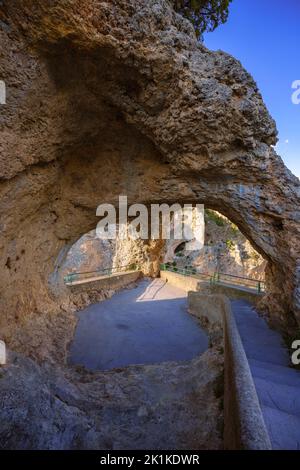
[109, 98]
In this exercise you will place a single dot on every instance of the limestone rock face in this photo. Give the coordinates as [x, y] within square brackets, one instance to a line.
[91, 253]
[108, 98]
[88, 254]
[228, 251]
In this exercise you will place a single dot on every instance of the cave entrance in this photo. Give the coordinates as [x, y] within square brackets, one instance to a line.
[148, 322]
[226, 252]
[180, 248]
[128, 319]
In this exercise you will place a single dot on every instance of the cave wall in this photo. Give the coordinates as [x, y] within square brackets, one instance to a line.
[110, 98]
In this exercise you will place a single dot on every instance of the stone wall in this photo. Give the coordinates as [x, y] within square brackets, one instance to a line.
[185, 283]
[244, 427]
[189, 283]
[114, 282]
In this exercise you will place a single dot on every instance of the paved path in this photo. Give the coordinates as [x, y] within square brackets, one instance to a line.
[277, 384]
[144, 325]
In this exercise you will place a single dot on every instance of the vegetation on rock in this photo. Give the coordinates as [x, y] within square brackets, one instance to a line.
[214, 217]
[226, 250]
[205, 15]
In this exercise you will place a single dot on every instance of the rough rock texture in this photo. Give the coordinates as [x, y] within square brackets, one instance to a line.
[46, 337]
[91, 253]
[226, 250]
[108, 98]
[166, 406]
[88, 254]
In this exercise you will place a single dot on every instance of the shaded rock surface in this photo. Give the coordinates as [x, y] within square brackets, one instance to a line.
[47, 405]
[228, 251]
[91, 253]
[165, 406]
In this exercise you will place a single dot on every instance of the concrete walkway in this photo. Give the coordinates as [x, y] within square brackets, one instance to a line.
[145, 325]
[277, 384]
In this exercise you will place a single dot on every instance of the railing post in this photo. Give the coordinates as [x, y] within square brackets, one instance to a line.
[259, 287]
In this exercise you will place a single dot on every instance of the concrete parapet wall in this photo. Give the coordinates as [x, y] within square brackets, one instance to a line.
[236, 292]
[244, 426]
[115, 281]
[189, 283]
[186, 283]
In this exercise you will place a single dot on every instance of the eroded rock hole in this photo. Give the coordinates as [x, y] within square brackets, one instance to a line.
[146, 322]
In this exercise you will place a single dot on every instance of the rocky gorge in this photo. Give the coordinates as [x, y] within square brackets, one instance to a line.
[225, 250]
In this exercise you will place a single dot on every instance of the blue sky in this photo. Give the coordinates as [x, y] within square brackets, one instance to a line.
[265, 36]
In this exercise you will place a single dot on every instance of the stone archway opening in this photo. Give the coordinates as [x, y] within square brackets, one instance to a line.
[147, 323]
[226, 251]
[181, 247]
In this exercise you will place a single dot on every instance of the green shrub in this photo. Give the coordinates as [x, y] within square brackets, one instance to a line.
[205, 15]
[214, 217]
[255, 256]
[234, 229]
[230, 244]
[132, 267]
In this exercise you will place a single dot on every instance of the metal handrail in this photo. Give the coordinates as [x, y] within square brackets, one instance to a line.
[239, 277]
[217, 277]
[186, 271]
[77, 276]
